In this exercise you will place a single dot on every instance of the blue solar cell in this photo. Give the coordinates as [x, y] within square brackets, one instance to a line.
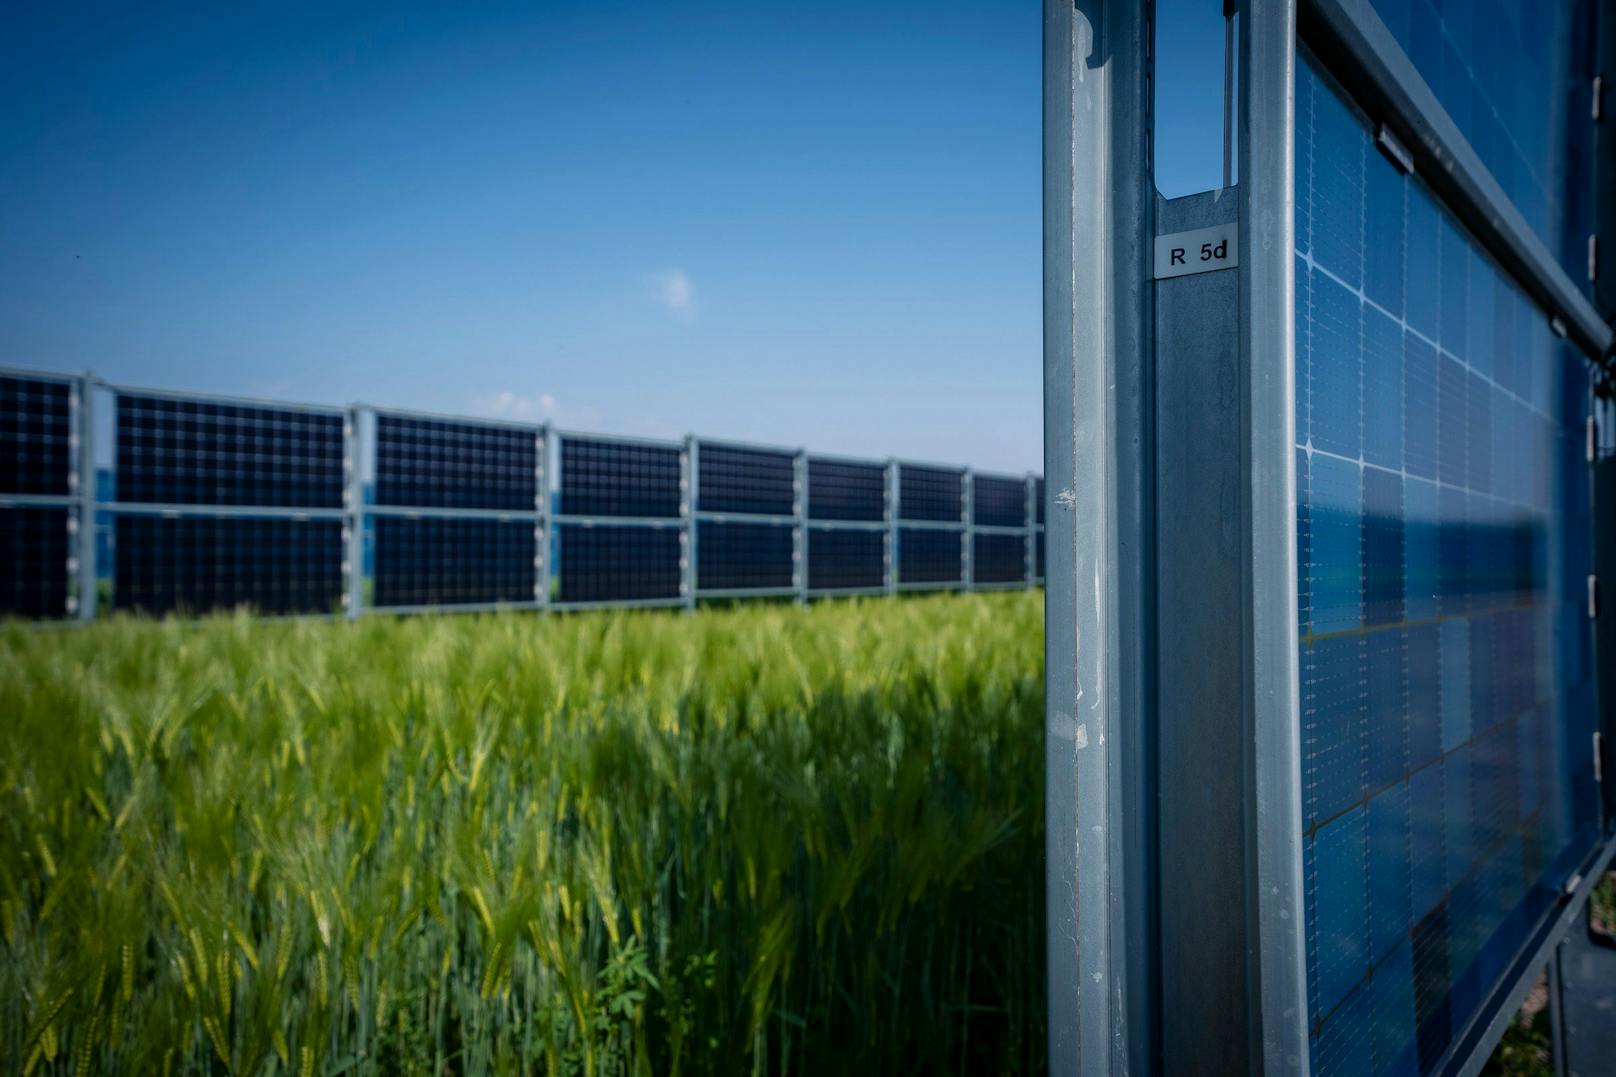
[436, 463]
[34, 551]
[998, 502]
[36, 436]
[930, 493]
[1038, 568]
[203, 452]
[845, 559]
[200, 563]
[846, 490]
[743, 556]
[619, 478]
[446, 562]
[754, 481]
[998, 558]
[930, 555]
[618, 562]
[1442, 535]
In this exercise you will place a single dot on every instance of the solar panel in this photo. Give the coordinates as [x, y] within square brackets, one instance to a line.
[930, 555]
[435, 463]
[36, 436]
[1038, 501]
[754, 481]
[1442, 544]
[743, 556]
[618, 563]
[203, 452]
[1038, 565]
[998, 558]
[436, 561]
[998, 502]
[930, 493]
[847, 559]
[34, 550]
[845, 490]
[619, 478]
[201, 563]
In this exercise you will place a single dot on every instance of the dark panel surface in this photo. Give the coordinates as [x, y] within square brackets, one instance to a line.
[843, 490]
[737, 556]
[930, 493]
[610, 478]
[998, 502]
[845, 559]
[610, 563]
[196, 564]
[34, 548]
[198, 452]
[929, 555]
[447, 562]
[997, 558]
[430, 463]
[746, 481]
[36, 428]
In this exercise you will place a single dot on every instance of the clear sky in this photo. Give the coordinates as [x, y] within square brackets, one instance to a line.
[812, 224]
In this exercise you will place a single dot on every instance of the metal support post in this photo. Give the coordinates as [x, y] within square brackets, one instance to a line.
[799, 531]
[541, 522]
[689, 501]
[88, 577]
[968, 531]
[892, 509]
[354, 501]
[1029, 518]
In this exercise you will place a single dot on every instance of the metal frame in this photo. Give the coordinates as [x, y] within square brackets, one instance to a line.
[79, 501]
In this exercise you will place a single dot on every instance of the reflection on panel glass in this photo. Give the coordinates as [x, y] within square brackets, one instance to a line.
[998, 558]
[34, 549]
[200, 563]
[445, 562]
[616, 478]
[743, 556]
[35, 436]
[203, 452]
[754, 481]
[845, 490]
[1445, 676]
[436, 463]
[844, 560]
[1515, 75]
[927, 555]
[617, 563]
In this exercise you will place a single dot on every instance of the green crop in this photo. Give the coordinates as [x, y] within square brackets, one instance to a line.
[754, 840]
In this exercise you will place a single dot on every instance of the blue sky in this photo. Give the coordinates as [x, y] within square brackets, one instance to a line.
[804, 224]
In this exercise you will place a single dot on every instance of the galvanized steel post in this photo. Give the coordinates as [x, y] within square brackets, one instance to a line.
[88, 575]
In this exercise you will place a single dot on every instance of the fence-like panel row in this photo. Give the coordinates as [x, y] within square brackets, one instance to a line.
[204, 503]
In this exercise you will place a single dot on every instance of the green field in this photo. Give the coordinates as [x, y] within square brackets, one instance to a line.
[763, 839]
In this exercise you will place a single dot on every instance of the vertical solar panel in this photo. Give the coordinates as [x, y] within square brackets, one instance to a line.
[930, 493]
[1038, 500]
[615, 563]
[35, 545]
[1038, 556]
[204, 452]
[447, 562]
[998, 558]
[846, 490]
[440, 463]
[36, 436]
[197, 563]
[601, 477]
[1445, 674]
[757, 482]
[998, 502]
[846, 559]
[743, 556]
[930, 556]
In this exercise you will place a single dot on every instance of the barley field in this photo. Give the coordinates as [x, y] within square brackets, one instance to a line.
[750, 840]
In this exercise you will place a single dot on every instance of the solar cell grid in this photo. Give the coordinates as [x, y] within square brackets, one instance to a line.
[930, 555]
[36, 436]
[431, 463]
[431, 562]
[930, 493]
[998, 502]
[998, 558]
[199, 452]
[743, 556]
[618, 563]
[844, 490]
[1441, 533]
[611, 478]
[34, 551]
[200, 563]
[752, 481]
[845, 559]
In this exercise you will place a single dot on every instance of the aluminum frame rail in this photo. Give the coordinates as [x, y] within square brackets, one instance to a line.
[79, 499]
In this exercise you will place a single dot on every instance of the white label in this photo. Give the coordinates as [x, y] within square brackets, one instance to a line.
[1199, 250]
